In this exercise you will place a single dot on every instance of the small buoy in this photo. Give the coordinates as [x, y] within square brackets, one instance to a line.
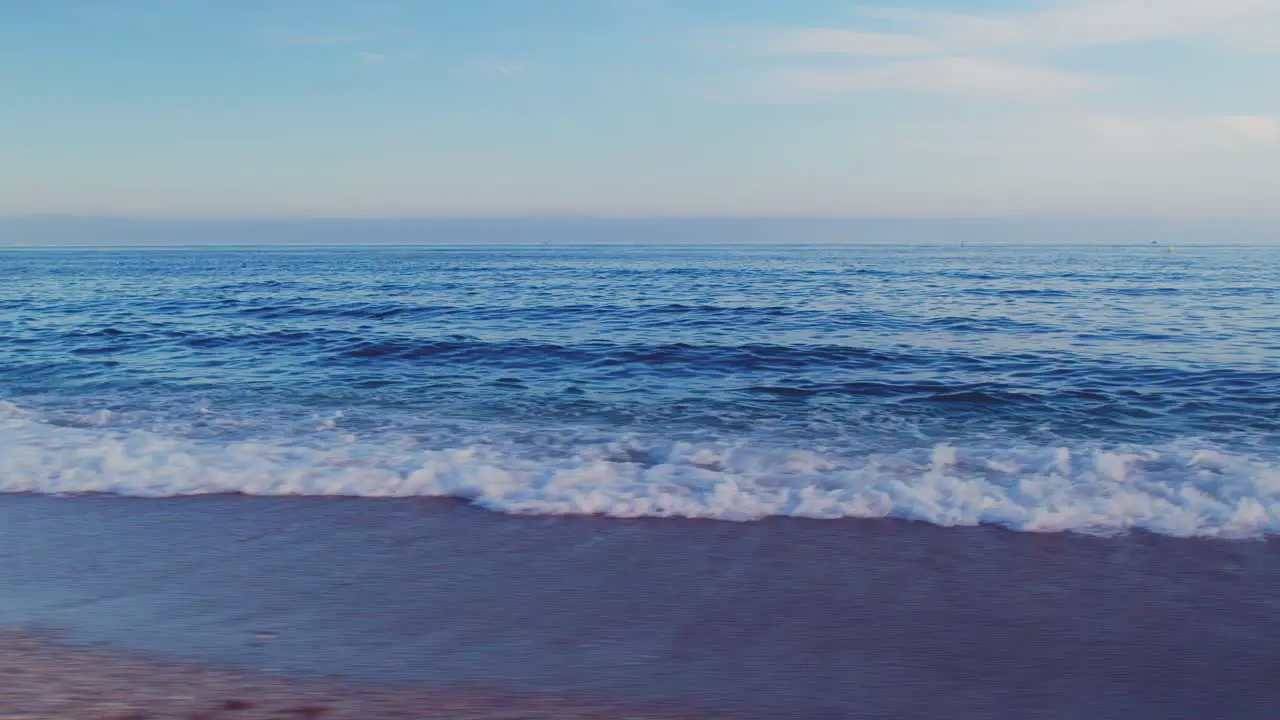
[1169, 250]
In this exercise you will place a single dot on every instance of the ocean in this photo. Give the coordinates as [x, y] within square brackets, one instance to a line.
[800, 481]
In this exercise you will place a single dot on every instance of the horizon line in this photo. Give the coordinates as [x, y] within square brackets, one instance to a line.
[631, 218]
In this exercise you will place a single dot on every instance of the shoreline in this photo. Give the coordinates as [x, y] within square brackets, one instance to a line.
[44, 679]
[470, 611]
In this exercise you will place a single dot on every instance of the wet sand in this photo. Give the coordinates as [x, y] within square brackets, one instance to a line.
[777, 619]
[40, 680]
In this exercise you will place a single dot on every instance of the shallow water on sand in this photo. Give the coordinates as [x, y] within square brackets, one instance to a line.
[780, 618]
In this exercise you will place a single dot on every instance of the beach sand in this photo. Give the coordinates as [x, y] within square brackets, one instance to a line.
[43, 680]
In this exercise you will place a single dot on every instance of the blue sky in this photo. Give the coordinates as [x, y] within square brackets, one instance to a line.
[395, 108]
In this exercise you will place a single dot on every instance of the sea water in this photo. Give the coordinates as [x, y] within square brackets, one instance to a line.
[1089, 389]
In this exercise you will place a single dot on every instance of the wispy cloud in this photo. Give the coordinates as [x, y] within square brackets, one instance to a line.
[828, 41]
[1083, 132]
[501, 68]
[1069, 23]
[1259, 128]
[384, 57]
[1090, 22]
[952, 75]
[949, 52]
[317, 40]
[1175, 135]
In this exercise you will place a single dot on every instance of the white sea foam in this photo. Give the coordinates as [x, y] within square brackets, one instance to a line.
[1183, 489]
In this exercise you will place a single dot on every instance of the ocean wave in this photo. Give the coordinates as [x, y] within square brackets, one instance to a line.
[1182, 489]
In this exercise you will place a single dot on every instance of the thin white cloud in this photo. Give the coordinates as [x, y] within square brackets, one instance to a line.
[1060, 132]
[952, 75]
[502, 68]
[1176, 135]
[1072, 23]
[380, 57]
[1252, 25]
[316, 40]
[1260, 128]
[828, 41]
[951, 52]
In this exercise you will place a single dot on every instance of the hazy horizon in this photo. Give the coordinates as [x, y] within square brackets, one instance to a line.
[66, 230]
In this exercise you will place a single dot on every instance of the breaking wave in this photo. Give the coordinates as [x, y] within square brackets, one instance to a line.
[1184, 488]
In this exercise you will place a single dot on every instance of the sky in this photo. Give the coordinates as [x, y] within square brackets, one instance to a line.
[639, 108]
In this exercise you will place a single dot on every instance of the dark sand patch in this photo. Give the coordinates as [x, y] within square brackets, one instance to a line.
[40, 680]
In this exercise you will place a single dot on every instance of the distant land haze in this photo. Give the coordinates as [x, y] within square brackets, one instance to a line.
[61, 230]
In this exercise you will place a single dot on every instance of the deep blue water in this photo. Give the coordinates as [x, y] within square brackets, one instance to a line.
[1096, 389]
